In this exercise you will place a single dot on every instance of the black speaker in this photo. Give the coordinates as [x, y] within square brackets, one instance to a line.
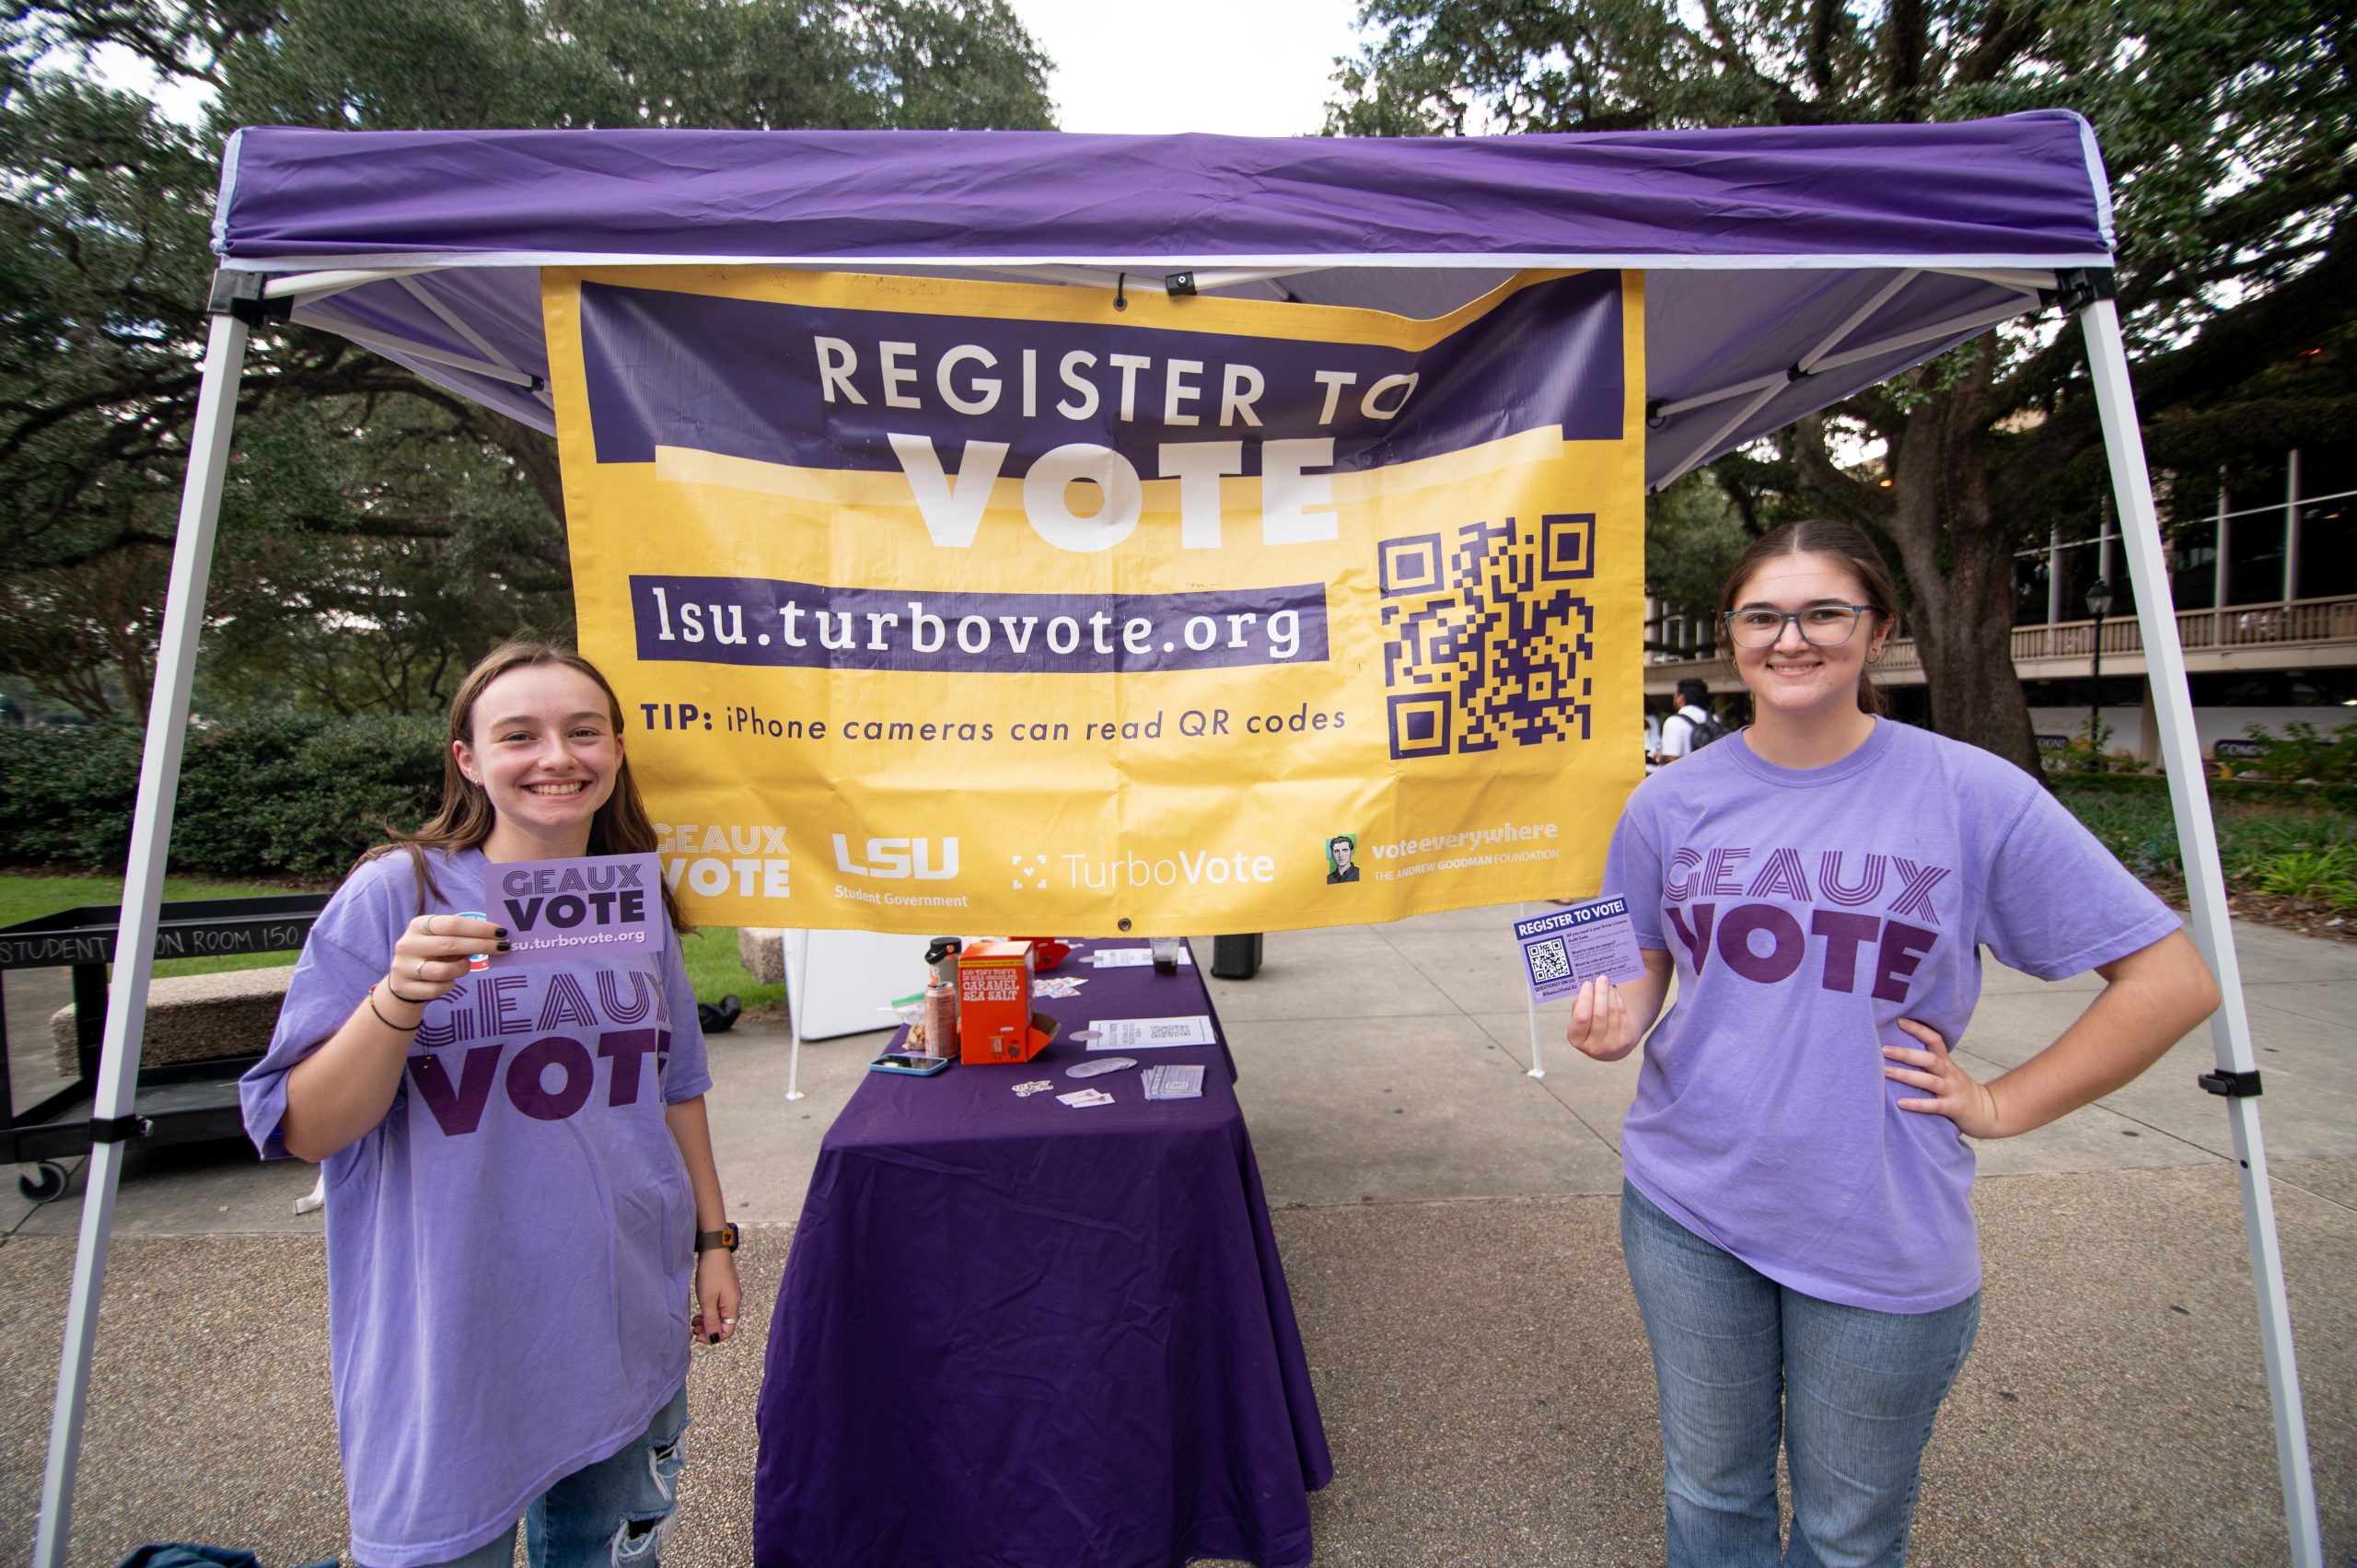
[1236, 958]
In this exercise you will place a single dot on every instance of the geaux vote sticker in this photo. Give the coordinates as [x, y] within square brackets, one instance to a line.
[602, 907]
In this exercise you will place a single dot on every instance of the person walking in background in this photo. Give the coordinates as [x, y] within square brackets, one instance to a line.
[521, 1192]
[1691, 728]
[1799, 1158]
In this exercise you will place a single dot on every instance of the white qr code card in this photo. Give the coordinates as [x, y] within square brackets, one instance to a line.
[1564, 949]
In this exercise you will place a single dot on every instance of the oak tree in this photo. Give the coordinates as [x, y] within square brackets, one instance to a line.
[389, 532]
[2228, 136]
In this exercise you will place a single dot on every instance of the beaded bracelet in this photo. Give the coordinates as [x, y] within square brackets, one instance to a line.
[396, 1028]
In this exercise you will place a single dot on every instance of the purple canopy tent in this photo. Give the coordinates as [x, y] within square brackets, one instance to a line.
[1786, 269]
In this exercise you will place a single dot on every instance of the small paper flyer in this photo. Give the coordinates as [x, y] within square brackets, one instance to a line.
[1564, 949]
[1149, 1034]
[602, 907]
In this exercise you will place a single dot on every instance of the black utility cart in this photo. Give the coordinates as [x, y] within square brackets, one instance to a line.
[177, 1104]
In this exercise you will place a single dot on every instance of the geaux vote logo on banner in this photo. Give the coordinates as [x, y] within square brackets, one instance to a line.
[941, 605]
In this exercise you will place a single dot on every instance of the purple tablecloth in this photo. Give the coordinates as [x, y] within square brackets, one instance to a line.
[1013, 1333]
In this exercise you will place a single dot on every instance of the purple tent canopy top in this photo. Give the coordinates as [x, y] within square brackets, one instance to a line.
[1788, 267]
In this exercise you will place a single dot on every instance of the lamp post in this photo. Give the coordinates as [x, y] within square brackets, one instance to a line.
[2098, 605]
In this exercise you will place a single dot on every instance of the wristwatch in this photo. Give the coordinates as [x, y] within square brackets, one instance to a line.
[725, 1237]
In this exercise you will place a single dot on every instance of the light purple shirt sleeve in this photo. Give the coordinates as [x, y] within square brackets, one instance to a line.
[343, 956]
[690, 1075]
[2059, 904]
[1632, 872]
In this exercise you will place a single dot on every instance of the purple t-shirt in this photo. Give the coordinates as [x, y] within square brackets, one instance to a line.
[510, 1251]
[1809, 910]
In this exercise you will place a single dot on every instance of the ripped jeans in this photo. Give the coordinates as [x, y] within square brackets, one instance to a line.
[614, 1513]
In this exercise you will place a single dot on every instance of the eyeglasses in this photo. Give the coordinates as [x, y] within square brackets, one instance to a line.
[1822, 626]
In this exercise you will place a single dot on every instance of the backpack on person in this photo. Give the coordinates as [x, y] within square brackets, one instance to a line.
[1701, 732]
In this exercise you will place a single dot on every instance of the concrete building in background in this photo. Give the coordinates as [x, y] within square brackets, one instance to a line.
[2263, 572]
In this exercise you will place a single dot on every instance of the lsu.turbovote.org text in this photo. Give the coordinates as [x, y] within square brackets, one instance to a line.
[759, 621]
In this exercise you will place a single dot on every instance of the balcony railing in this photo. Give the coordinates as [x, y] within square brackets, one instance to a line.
[2270, 625]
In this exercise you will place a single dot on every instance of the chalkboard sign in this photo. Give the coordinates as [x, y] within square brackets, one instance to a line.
[196, 927]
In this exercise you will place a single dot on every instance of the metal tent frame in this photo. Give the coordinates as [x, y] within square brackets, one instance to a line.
[417, 306]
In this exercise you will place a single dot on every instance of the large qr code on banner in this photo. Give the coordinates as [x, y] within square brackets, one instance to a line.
[1484, 639]
[1547, 960]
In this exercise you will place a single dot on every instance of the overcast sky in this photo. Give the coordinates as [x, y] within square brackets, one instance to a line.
[1239, 67]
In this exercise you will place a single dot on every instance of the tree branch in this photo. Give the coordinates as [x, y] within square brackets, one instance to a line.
[2004, 34]
[1825, 16]
[1845, 497]
[1905, 40]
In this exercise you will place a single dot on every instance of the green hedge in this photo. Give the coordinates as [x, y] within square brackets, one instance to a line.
[269, 795]
[2247, 792]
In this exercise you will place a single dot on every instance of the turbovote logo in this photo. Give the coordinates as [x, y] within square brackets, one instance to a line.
[599, 908]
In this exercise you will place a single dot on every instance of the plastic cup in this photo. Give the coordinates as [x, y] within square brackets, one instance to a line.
[1166, 954]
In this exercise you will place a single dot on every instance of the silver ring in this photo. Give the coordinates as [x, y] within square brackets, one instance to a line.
[429, 926]
[420, 969]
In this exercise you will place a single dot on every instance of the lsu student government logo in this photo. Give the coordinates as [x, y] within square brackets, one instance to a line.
[899, 859]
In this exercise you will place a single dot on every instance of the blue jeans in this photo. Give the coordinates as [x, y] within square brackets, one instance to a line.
[614, 1513]
[1744, 1363]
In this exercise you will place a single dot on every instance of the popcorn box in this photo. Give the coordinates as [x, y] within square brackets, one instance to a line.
[996, 1022]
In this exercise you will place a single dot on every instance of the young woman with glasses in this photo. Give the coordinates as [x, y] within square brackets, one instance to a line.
[1800, 1154]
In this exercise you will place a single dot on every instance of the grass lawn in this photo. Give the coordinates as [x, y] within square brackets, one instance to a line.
[711, 954]
[713, 969]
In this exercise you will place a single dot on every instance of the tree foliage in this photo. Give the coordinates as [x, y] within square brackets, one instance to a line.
[2228, 134]
[1694, 531]
[384, 532]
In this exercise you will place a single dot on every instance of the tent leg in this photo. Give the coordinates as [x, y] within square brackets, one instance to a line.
[797, 997]
[142, 891]
[2206, 892]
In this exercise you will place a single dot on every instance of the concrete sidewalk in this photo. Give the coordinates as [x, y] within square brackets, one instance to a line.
[1449, 1229]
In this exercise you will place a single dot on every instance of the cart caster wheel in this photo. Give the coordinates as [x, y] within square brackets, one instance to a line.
[45, 1185]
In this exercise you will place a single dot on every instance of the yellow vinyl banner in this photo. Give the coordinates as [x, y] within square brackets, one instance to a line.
[944, 606]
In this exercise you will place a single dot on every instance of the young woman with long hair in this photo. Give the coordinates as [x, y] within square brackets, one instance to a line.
[1795, 1217]
[521, 1192]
